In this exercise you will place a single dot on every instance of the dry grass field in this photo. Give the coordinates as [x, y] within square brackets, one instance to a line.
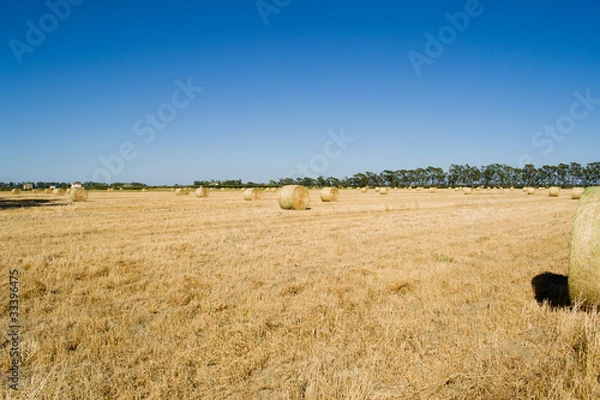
[412, 295]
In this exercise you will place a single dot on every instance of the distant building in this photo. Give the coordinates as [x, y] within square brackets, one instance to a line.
[27, 186]
[76, 185]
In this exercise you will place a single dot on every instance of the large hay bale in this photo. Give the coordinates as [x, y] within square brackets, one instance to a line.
[202, 192]
[554, 191]
[329, 194]
[293, 197]
[58, 192]
[576, 193]
[16, 191]
[584, 260]
[78, 194]
[252, 194]
[384, 190]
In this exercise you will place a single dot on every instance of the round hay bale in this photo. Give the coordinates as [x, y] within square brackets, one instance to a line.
[110, 190]
[48, 191]
[34, 191]
[16, 191]
[468, 190]
[364, 190]
[584, 260]
[78, 194]
[58, 192]
[68, 190]
[202, 192]
[144, 190]
[531, 191]
[377, 189]
[525, 189]
[293, 197]
[179, 192]
[554, 191]
[577, 192]
[252, 194]
[384, 190]
[432, 189]
[329, 194]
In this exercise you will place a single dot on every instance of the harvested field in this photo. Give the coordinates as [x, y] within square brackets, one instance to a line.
[135, 295]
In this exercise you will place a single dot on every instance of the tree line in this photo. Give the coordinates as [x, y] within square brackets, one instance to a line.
[492, 175]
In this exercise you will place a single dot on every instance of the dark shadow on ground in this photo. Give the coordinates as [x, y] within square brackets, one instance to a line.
[552, 289]
[6, 204]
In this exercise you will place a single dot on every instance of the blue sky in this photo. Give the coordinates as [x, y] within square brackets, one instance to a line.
[269, 88]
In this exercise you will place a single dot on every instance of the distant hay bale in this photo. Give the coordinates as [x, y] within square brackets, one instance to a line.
[182, 191]
[377, 189]
[576, 193]
[531, 191]
[584, 260]
[252, 194]
[144, 190]
[293, 197]
[34, 191]
[468, 190]
[364, 190]
[432, 189]
[384, 190]
[110, 190]
[525, 189]
[58, 192]
[554, 191]
[16, 191]
[68, 190]
[329, 194]
[78, 194]
[202, 192]
[48, 191]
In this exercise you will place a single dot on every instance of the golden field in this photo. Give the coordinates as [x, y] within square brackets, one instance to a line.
[411, 295]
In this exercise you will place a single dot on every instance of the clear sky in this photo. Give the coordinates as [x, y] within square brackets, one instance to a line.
[166, 92]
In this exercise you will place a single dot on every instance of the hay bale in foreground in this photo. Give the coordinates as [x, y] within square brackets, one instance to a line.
[293, 197]
[584, 260]
[252, 194]
[329, 194]
[16, 191]
[202, 192]
[577, 192]
[554, 191]
[58, 192]
[78, 194]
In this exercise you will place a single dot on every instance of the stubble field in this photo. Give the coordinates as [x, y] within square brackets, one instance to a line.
[412, 295]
